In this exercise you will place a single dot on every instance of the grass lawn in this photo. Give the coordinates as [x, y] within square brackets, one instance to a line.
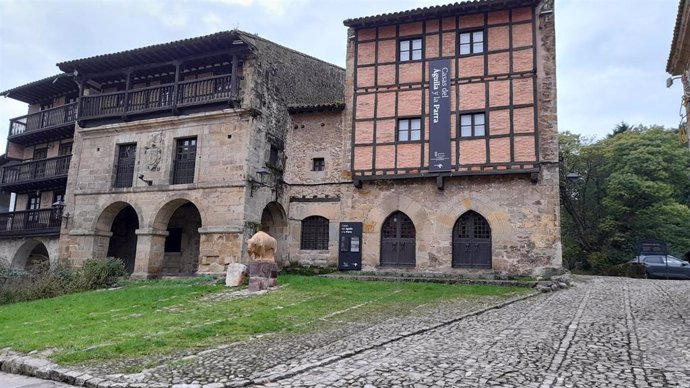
[153, 317]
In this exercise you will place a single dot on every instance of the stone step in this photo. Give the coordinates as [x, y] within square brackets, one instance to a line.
[427, 278]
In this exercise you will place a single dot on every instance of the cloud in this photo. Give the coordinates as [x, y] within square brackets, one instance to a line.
[272, 7]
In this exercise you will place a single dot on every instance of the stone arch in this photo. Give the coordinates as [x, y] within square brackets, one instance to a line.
[390, 203]
[180, 219]
[122, 221]
[274, 222]
[31, 255]
[166, 210]
[104, 222]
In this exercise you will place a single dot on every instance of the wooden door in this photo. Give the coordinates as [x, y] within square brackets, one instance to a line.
[472, 241]
[398, 246]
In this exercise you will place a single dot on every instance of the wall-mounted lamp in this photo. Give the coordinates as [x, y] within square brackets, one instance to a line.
[58, 207]
[262, 175]
[147, 181]
[669, 80]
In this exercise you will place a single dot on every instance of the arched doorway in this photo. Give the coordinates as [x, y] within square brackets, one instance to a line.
[472, 241]
[182, 245]
[398, 246]
[123, 241]
[274, 222]
[32, 256]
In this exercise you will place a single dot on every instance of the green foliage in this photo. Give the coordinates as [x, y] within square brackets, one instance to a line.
[48, 282]
[635, 184]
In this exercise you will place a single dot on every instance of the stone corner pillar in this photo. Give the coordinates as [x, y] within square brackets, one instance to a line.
[148, 262]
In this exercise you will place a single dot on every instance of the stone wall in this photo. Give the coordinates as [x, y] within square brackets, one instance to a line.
[218, 190]
[16, 251]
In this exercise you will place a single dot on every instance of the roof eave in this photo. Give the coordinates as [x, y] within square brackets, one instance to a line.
[679, 56]
[423, 13]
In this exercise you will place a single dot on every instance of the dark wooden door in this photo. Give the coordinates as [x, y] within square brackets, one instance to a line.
[398, 247]
[472, 241]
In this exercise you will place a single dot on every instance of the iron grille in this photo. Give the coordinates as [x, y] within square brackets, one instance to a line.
[314, 233]
[125, 165]
[472, 225]
[185, 157]
[398, 225]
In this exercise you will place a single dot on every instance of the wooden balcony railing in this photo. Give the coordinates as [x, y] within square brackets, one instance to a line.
[45, 119]
[31, 222]
[160, 97]
[36, 170]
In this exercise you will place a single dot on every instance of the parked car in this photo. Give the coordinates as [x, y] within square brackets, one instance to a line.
[662, 267]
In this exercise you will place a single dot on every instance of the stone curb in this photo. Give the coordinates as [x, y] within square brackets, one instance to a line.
[15, 363]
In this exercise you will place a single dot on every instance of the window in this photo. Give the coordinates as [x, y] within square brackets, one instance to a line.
[274, 157]
[63, 163]
[33, 203]
[409, 129]
[314, 233]
[40, 166]
[472, 125]
[410, 50]
[471, 42]
[173, 242]
[65, 149]
[125, 165]
[185, 157]
[318, 164]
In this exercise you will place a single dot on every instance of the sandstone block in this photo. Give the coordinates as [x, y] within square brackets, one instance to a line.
[235, 275]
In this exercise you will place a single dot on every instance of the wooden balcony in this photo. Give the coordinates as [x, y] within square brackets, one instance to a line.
[42, 174]
[41, 222]
[167, 98]
[44, 126]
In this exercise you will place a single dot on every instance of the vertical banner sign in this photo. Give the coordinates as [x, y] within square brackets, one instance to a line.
[439, 115]
[350, 246]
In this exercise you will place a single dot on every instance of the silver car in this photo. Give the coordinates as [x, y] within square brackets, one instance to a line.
[662, 267]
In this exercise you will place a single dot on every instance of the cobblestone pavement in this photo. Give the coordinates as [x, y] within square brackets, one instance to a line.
[607, 332]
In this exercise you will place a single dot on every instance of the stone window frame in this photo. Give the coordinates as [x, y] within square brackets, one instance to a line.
[122, 181]
[318, 164]
[411, 50]
[404, 135]
[471, 45]
[177, 175]
[314, 234]
[473, 125]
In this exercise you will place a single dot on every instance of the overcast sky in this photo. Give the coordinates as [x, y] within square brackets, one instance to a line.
[611, 53]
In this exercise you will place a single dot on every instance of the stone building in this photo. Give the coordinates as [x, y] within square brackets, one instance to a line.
[435, 150]
[475, 190]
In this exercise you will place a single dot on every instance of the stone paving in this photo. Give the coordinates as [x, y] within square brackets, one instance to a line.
[605, 332]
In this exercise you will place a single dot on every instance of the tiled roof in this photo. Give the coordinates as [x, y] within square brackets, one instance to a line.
[327, 107]
[43, 89]
[435, 11]
[675, 43]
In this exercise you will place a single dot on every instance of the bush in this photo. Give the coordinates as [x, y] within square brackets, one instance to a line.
[99, 273]
[599, 262]
[630, 270]
[48, 282]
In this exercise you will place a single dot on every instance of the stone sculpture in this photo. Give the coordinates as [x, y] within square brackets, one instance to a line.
[263, 270]
[262, 247]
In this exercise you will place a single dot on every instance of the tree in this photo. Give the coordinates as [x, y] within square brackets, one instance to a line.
[634, 184]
